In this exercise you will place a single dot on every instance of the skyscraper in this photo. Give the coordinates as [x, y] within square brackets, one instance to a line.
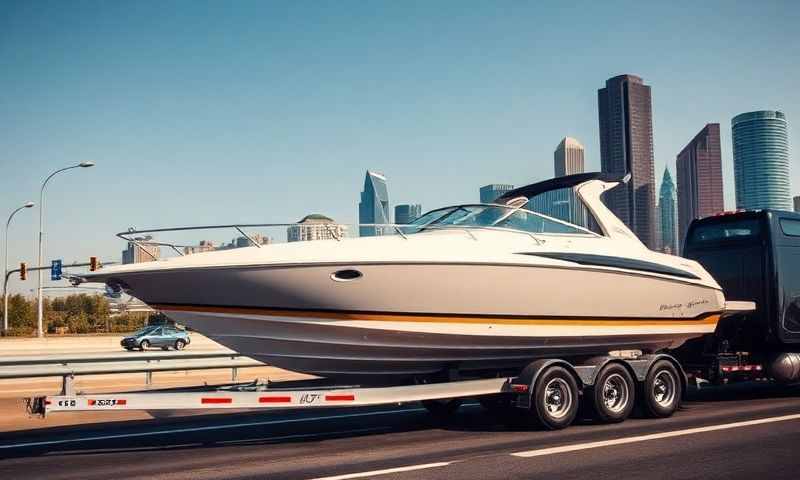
[568, 160]
[699, 169]
[568, 157]
[761, 160]
[404, 214]
[142, 251]
[489, 193]
[666, 210]
[626, 146]
[562, 203]
[374, 205]
[315, 227]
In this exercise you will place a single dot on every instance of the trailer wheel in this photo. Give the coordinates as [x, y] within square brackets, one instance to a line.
[662, 390]
[612, 394]
[442, 408]
[555, 398]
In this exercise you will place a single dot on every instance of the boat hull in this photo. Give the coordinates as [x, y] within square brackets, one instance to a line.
[359, 345]
[417, 319]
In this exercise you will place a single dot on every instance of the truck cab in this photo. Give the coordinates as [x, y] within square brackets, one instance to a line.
[754, 255]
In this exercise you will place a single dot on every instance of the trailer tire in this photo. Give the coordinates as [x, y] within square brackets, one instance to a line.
[555, 398]
[612, 395]
[661, 390]
[442, 408]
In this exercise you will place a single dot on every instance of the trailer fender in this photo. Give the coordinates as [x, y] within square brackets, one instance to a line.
[524, 384]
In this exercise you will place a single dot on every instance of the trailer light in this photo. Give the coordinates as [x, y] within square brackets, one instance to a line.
[519, 388]
[274, 399]
[340, 398]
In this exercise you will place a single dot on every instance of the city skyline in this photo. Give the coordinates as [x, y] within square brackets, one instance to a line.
[227, 121]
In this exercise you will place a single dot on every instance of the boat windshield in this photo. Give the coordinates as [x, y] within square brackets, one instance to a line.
[492, 216]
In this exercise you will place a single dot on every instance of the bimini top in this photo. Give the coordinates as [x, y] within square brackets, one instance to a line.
[567, 181]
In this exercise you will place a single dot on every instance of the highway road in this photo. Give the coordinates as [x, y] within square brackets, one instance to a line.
[737, 432]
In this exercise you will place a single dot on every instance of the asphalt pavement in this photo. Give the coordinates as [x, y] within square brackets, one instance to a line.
[736, 432]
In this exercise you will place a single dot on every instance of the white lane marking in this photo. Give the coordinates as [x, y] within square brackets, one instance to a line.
[205, 429]
[655, 436]
[373, 473]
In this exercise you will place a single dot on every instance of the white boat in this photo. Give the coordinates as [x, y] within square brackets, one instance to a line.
[469, 288]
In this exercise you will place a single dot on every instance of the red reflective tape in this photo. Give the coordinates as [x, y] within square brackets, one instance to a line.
[122, 401]
[274, 399]
[216, 400]
[519, 388]
[340, 398]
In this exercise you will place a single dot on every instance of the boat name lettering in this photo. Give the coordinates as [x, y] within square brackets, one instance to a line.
[671, 306]
[695, 303]
[68, 403]
[308, 398]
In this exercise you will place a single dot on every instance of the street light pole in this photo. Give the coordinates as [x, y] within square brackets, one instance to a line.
[40, 308]
[5, 268]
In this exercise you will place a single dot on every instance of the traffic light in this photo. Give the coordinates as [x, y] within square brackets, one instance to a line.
[23, 271]
[93, 264]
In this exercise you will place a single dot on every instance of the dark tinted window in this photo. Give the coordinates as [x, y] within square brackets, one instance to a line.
[790, 227]
[713, 232]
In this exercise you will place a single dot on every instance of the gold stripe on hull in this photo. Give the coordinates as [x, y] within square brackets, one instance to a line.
[708, 319]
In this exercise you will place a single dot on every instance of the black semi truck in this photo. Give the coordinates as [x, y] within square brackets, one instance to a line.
[754, 255]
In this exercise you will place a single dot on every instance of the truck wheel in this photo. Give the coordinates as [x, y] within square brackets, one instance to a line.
[179, 344]
[442, 408]
[612, 394]
[662, 390]
[555, 398]
[144, 345]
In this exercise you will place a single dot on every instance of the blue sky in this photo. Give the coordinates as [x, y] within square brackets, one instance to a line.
[219, 112]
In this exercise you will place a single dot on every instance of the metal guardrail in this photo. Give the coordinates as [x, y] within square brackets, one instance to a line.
[103, 364]
[7, 361]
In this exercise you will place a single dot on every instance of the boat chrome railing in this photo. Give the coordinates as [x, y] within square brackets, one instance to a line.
[135, 236]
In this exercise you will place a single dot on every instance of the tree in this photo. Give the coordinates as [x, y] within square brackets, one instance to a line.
[21, 315]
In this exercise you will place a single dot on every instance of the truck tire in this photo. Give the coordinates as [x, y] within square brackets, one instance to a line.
[661, 390]
[612, 395]
[555, 398]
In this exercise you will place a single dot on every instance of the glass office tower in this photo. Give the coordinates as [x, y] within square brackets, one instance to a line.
[761, 160]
